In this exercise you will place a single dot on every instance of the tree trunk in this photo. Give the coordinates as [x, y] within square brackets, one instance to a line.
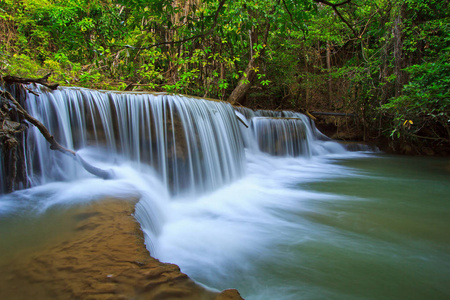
[398, 52]
[330, 102]
[245, 83]
[247, 79]
[307, 89]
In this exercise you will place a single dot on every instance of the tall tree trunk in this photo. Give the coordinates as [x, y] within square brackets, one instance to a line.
[307, 89]
[245, 83]
[249, 75]
[330, 101]
[398, 52]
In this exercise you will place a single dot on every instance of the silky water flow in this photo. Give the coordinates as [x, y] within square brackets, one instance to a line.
[258, 204]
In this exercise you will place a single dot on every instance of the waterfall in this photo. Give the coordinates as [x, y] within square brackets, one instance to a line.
[285, 133]
[161, 147]
[264, 203]
[194, 145]
[209, 178]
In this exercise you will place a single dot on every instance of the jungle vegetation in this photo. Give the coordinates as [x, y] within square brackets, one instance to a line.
[385, 61]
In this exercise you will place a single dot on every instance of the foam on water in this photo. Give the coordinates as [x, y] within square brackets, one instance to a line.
[226, 232]
[205, 203]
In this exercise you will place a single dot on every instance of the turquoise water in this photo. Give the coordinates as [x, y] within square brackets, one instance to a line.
[386, 234]
[348, 226]
[360, 227]
[389, 239]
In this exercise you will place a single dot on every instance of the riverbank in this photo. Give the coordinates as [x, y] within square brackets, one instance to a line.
[103, 257]
[347, 130]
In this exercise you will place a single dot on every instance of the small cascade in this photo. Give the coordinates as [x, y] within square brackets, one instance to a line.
[193, 144]
[285, 133]
[281, 136]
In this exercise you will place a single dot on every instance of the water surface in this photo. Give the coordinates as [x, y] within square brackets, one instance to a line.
[341, 226]
[338, 227]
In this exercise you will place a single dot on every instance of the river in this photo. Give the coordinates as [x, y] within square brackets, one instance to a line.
[370, 226]
[347, 226]
[268, 206]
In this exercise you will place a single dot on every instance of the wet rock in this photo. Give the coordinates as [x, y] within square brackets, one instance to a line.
[230, 294]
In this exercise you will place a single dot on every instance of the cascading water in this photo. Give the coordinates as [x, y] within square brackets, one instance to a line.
[285, 133]
[193, 144]
[282, 137]
[230, 202]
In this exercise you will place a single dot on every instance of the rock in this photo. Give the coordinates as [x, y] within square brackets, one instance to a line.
[230, 294]
[406, 149]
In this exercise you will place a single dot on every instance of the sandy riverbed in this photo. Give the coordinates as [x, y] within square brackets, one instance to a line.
[104, 257]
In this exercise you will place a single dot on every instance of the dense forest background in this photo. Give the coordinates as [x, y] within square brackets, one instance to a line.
[384, 63]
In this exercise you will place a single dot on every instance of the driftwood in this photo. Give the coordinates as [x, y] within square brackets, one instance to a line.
[240, 119]
[54, 145]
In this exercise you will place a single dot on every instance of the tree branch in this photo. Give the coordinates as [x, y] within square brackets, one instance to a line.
[332, 4]
[292, 18]
[43, 81]
[54, 145]
[216, 16]
[335, 6]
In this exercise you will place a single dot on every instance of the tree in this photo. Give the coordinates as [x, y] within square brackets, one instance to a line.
[345, 56]
[419, 112]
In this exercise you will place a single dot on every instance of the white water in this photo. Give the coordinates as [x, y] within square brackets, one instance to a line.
[206, 204]
[224, 232]
[220, 238]
[190, 143]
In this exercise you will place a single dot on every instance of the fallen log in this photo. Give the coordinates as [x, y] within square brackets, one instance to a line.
[318, 113]
[240, 119]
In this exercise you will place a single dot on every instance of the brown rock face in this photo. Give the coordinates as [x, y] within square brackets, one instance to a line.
[104, 259]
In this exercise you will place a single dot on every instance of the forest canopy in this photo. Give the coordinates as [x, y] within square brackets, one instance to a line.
[386, 61]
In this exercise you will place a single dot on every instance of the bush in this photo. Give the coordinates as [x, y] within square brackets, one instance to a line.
[424, 104]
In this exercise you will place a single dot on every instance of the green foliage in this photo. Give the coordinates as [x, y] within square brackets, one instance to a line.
[93, 35]
[422, 110]
[388, 59]
[425, 102]
[21, 65]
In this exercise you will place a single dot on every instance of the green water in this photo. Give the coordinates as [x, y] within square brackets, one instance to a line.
[356, 227]
[26, 231]
[401, 229]
[379, 230]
